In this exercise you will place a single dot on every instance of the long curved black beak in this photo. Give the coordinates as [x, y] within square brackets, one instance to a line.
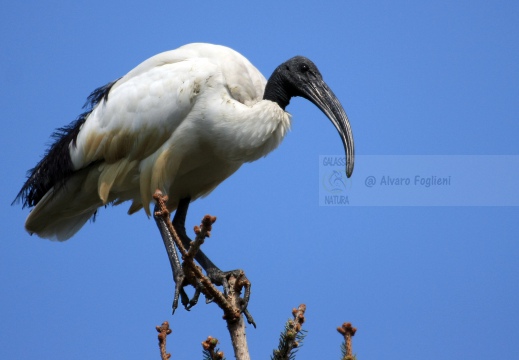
[318, 92]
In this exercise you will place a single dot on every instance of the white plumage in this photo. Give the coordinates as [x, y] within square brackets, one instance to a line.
[182, 122]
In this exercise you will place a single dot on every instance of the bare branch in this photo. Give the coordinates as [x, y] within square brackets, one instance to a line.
[163, 331]
[236, 325]
[348, 332]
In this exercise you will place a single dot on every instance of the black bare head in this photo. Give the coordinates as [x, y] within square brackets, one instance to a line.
[300, 77]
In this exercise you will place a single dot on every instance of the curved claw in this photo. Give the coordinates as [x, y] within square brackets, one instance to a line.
[194, 300]
[249, 318]
[184, 298]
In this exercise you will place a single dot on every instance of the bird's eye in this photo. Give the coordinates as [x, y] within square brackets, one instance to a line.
[304, 68]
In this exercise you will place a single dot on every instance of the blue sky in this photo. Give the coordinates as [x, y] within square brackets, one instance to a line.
[419, 282]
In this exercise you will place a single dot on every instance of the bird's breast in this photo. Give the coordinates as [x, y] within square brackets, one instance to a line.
[241, 133]
[211, 145]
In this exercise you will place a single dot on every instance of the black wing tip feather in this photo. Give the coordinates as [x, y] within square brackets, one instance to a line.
[95, 97]
[56, 165]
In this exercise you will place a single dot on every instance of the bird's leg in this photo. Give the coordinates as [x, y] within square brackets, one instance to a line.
[217, 276]
[178, 273]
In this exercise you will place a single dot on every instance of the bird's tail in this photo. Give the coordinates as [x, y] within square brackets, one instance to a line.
[65, 209]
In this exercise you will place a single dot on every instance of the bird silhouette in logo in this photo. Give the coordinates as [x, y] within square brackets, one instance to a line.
[336, 181]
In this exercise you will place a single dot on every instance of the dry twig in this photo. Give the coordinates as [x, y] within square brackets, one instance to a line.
[347, 331]
[163, 331]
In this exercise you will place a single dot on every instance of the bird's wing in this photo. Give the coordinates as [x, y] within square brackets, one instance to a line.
[143, 108]
[140, 112]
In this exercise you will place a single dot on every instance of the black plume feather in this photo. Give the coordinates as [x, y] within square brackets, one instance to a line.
[56, 166]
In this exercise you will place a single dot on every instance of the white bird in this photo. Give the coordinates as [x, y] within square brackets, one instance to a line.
[182, 122]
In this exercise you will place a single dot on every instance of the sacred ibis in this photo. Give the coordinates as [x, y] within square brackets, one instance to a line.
[182, 122]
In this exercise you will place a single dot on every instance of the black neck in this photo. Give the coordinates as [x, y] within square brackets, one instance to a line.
[277, 90]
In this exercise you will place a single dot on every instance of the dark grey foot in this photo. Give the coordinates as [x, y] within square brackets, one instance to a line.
[221, 278]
